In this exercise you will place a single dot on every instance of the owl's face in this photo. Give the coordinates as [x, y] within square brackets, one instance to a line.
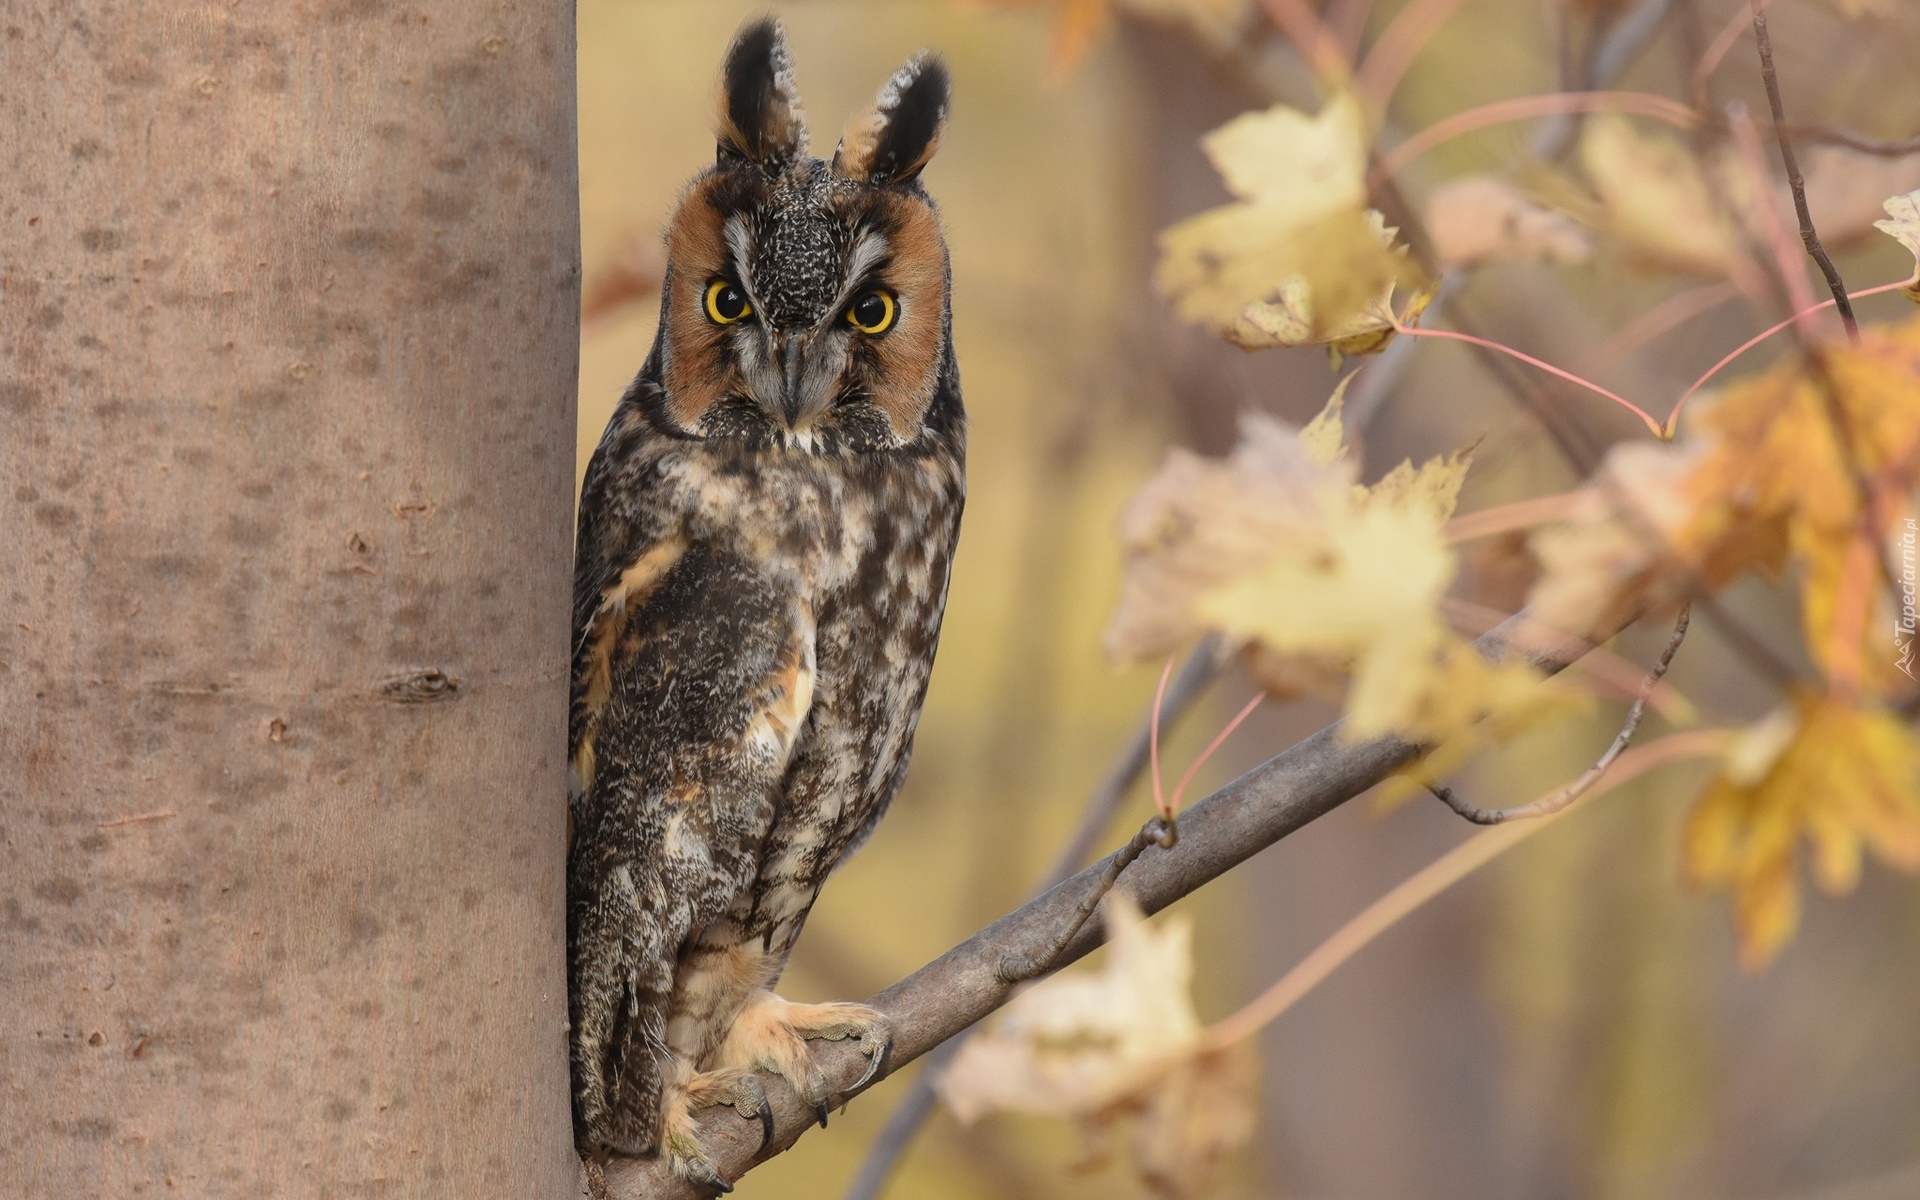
[805, 303]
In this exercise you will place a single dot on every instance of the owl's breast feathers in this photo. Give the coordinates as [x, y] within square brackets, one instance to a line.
[849, 554]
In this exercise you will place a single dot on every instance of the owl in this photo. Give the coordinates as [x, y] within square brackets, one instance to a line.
[766, 529]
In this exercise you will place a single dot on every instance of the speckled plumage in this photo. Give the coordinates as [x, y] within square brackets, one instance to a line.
[766, 530]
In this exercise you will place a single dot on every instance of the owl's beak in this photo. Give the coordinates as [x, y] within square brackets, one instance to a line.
[790, 355]
[803, 374]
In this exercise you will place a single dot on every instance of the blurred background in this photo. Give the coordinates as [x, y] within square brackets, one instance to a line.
[1571, 1022]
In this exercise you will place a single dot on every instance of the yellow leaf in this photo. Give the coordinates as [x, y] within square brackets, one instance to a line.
[1315, 578]
[1482, 219]
[1903, 225]
[1432, 488]
[1200, 522]
[1298, 259]
[1618, 552]
[1656, 197]
[1372, 334]
[1299, 166]
[1123, 1046]
[1369, 595]
[1842, 778]
[1324, 438]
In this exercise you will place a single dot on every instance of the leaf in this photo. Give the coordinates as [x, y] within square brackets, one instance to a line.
[1903, 225]
[1299, 259]
[1838, 778]
[1199, 522]
[1657, 200]
[1619, 552]
[1316, 578]
[1482, 219]
[1120, 1047]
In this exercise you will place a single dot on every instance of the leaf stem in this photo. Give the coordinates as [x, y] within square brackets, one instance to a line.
[1522, 108]
[1488, 344]
[1673, 418]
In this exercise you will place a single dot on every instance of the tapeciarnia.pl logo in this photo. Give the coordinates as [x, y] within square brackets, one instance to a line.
[1903, 629]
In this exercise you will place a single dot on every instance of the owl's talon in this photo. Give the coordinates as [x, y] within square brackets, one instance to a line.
[750, 1101]
[701, 1170]
[878, 1043]
[766, 1126]
[821, 1108]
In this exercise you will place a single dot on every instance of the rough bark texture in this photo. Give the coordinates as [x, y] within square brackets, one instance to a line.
[288, 328]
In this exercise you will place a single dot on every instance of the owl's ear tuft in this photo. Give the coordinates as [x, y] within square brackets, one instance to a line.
[760, 117]
[892, 139]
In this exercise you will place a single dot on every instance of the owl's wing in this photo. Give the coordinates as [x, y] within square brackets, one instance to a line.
[708, 679]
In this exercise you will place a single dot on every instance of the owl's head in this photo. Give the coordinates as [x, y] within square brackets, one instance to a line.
[805, 302]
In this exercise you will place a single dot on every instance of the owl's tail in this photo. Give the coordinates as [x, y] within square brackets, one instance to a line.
[620, 1056]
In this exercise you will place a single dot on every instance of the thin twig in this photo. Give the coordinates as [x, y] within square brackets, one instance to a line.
[1835, 136]
[1808, 234]
[1547, 805]
[1019, 967]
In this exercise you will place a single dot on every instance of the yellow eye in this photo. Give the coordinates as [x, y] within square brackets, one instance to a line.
[873, 312]
[726, 303]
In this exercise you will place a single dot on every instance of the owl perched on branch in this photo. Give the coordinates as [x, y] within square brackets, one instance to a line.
[765, 535]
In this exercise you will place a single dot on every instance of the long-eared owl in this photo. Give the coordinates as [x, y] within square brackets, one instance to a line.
[765, 534]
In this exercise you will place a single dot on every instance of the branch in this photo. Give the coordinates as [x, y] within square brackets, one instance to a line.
[1555, 802]
[943, 998]
[1808, 234]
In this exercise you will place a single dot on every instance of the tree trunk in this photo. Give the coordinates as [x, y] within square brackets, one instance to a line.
[288, 329]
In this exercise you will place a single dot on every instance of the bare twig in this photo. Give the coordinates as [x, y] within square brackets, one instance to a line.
[1305, 782]
[1188, 684]
[1834, 136]
[1020, 967]
[1546, 806]
[1808, 234]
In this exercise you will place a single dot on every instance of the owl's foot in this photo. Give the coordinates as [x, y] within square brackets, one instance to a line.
[771, 1034]
[679, 1131]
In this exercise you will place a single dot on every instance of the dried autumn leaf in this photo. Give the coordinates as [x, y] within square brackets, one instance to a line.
[1620, 552]
[1761, 479]
[1298, 259]
[1657, 200]
[1315, 577]
[1121, 1047]
[1842, 779]
[1903, 225]
[1777, 459]
[1482, 219]
[1199, 522]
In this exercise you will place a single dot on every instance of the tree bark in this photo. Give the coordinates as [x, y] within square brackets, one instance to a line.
[288, 336]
